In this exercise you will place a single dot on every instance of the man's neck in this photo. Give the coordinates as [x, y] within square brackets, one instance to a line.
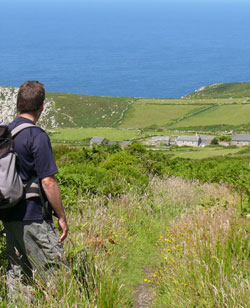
[28, 116]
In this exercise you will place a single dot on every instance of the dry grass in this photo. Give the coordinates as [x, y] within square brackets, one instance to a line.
[205, 256]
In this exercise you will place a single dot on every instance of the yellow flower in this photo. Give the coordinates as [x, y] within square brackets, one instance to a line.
[145, 279]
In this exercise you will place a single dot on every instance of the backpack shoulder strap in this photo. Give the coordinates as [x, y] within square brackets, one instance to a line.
[20, 127]
[31, 188]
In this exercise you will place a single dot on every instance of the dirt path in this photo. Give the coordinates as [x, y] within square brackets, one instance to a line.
[144, 294]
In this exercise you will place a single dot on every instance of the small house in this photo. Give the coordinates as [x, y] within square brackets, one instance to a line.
[240, 139]
[126, 143]
[98, 141]
[158, 140]
[193, 141]
[172, 141]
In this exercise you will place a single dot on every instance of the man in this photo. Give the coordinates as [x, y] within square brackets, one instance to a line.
[33, 243]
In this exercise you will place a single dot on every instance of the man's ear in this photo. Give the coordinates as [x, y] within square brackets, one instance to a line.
[41, 108]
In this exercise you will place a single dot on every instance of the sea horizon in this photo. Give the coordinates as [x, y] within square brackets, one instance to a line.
[132, 49]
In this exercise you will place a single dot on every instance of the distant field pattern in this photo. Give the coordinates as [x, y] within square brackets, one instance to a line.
[223, 114]
[145, 115]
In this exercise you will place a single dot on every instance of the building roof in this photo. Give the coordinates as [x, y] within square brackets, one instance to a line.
[206, 138]
[160, 138]
[241, 137]
[97, 140]
[188, 138]
[112, 143]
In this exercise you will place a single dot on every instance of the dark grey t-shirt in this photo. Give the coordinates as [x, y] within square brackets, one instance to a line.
[36, 160]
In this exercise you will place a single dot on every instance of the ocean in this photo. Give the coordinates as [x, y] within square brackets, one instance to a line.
[124, 48]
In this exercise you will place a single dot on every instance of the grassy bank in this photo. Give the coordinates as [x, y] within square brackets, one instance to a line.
[148, 228]
[136, 246]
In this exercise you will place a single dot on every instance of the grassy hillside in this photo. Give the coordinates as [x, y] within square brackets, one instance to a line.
[73, 110]
[223, 90]
[213, 109]
[222, 107]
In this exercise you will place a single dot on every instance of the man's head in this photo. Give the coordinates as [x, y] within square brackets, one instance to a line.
[30, 97]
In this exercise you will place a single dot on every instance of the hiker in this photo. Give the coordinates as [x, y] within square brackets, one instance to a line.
[32, 241]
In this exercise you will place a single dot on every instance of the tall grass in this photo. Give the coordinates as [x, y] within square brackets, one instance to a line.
[184, 237]
[205, 260]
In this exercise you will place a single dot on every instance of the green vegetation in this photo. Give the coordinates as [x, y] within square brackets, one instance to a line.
[216, 108]
[169, 226]
[72, 110]
[146, 224]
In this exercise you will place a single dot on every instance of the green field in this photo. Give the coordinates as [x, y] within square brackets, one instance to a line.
[207, 152]
[224, 114]
[190, 101]
[78, 134]
[146, 115]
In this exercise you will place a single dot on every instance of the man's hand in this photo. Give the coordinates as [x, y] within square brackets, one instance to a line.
[63, 226]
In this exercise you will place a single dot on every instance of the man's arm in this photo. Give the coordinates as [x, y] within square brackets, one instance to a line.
[53, 194]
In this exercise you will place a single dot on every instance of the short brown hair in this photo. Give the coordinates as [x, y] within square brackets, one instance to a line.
[30, 97]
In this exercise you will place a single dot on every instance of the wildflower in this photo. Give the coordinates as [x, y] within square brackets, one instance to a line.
[165, 258]
[174, 281]
[145, 279]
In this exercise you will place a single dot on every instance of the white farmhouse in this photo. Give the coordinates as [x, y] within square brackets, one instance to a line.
[240, 139]
[193, 141]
